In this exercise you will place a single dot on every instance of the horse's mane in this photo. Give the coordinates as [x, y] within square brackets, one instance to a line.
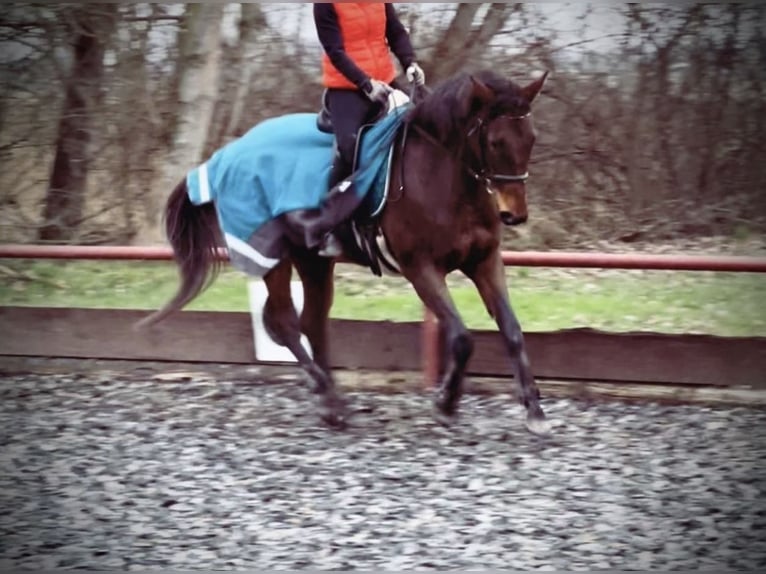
[445, 111]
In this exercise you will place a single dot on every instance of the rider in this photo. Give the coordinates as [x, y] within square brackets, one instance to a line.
[357, 69]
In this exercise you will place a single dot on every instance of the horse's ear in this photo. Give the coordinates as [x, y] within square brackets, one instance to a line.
[475, 95]
[530, 91]
[482, 91]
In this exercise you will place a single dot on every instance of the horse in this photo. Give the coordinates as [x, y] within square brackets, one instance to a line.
[460, 165]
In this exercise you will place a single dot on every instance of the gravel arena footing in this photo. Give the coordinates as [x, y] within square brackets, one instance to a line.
[109, 470]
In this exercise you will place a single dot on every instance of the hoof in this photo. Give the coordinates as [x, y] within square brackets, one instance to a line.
[538, 426]
[444, 419]
[336, 421]
[333, 412]
[445, 412]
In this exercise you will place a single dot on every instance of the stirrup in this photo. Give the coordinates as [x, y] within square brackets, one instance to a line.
[330, 246]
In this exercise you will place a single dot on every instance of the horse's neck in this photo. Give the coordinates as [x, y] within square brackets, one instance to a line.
[448, 183]
[423, 148]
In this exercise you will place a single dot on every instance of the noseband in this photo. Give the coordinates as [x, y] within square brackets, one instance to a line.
[483, 174]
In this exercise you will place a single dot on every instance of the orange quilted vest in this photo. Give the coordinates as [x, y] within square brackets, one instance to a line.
[363, 28]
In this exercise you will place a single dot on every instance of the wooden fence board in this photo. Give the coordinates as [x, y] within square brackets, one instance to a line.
[110, 334]
[586, 354]
[226, 337]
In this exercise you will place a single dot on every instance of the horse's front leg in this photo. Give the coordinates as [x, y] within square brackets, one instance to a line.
[284, 327]
[431, 287]
[489, 277]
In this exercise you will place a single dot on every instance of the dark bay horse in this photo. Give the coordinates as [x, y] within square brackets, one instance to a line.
[461, 174]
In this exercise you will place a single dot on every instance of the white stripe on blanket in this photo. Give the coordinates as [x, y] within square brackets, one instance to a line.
[204, 184]
[243, 248]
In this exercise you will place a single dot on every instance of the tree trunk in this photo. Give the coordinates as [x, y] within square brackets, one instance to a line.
[198, 80]
[198, 69]
[132, 174]
[90, 28]
[251, 26]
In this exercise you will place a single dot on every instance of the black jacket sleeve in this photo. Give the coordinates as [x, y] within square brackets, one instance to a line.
[328, 30]
[398, 37]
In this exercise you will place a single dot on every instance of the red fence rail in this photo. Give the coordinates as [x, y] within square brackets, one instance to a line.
[636, 261]
[100, 252]
[728, 263]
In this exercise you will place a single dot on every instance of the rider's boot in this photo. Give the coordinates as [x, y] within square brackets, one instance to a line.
[331, 245]
[316, 225]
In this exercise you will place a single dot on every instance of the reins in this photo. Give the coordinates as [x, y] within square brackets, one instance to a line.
[413, 91]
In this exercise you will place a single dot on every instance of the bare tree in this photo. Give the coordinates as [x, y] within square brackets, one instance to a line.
[249, 54]
[472, 28]
[89, 28]
[196, 78]
[126, 150]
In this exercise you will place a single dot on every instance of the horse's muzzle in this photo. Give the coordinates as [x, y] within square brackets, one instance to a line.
[511, 202]
[509, 218]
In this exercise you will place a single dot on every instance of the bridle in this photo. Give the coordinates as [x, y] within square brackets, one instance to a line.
[483, 174]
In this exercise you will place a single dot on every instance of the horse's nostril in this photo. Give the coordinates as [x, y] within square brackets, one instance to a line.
[509, 219]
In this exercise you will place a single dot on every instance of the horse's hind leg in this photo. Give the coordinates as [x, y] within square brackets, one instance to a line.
[316, 274]
[489, 277]
[431, 287]
[283, 326]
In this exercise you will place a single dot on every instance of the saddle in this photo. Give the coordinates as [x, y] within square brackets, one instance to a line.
[324, 121]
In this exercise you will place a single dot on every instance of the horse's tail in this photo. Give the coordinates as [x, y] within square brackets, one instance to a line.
[194, 235]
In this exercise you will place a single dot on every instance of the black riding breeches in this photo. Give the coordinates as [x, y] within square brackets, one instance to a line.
[349, 110]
